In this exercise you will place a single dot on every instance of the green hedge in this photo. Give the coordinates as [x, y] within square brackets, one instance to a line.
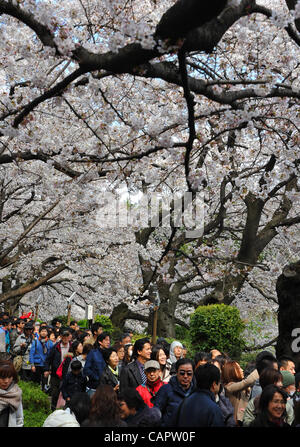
[217, 326]
[36, 404]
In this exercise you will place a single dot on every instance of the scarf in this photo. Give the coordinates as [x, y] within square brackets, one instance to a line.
[114, 371]
[44, 344]
[12, 397]
[152, 387]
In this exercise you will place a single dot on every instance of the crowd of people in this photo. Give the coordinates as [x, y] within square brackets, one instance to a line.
[93, 382]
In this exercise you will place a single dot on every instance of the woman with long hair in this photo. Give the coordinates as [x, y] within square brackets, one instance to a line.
[158, 353]
[237, 388]
[272, 408]
[11, 408]
[105, 409]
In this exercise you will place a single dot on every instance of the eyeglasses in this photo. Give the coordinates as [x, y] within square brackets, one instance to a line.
[183, 373]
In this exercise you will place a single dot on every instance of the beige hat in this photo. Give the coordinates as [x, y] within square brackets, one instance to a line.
[151, 364]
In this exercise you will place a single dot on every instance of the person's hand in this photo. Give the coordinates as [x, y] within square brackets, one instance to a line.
[46, 374]
[33, 369]
[116, 388]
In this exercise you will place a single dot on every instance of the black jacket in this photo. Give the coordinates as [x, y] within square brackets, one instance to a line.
[145, 417]
[72, 384]
[108, 378]
[53, 359]
[130, 376]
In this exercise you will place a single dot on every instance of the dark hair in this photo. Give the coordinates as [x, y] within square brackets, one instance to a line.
[265, 362]
[138, 346]
[95, 327]
[202, 356]
[42, 328]
[118, 345]
[127, 357]
[87, 347]
[75, 345]
[107, 353]
[104, 404]
[132, 398]
[264, 400]
[7, 369]
[73, 322]
[80, 405]
[283, 361]
[184, 361]
[206, 375]
[76, 365]
[155, 353]
[269, 376]
[125, 336]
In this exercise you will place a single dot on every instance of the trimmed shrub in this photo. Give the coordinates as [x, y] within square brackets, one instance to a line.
[36, 404]
[217, 326]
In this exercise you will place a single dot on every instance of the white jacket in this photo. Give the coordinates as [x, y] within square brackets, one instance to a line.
[61, 418]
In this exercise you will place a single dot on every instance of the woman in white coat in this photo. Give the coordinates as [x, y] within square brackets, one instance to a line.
[11, 408]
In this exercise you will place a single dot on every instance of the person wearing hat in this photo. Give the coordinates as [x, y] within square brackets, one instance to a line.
[153, 383]
[22, 347]
[288, 383]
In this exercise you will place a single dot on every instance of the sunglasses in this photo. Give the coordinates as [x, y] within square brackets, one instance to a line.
[183, 373]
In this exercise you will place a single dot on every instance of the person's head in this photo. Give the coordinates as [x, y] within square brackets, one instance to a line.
[130, 401]
[125, 339]
[97, 329]
[110, 356]
[52, 336]
[28, 329]
[119, 347]
[74, 325]
[104, 404]
[288, 382]
[8, 374]
[20, 324]
[272, 403]
[43, 332]
[128, 352]
[87, 347]
[201, 358]
[176, 351]
[158, 354]
[76, 367]
[142, 350]
[56, 323]
[232, 372]
[265, 359]
[152, 370]
[208, 377]
[286, 364]
[184, 372]
[77, 347]
[65, 336]
[80, 405]
[270, 376]
[103, 340]
[214, 353]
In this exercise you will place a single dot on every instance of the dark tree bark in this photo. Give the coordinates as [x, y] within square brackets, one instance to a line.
[288, 292]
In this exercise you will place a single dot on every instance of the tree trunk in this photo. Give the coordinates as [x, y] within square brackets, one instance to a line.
[288, 292]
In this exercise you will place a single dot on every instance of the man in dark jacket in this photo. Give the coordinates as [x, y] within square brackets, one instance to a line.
[135, 412]
[95, 363]
[200, 408]
[54, 358]
[170, 396]
[133, 374]
[74, 381]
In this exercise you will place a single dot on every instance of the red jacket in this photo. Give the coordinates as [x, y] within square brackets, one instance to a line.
[149, 390]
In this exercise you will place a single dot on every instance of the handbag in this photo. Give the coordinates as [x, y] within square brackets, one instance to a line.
[17, 361]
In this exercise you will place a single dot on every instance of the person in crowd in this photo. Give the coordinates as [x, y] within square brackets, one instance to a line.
[95, 363]
[6, 328]
[296, 396]
[133, 374]
[128, 350]
[288, 383]
[96, 329]
[237, 388]
[53, 360]
[181, 385]
[17, 331]
[269, 376]
[110, 375]
[221, 400]
[264, 359]
[11, 407]
[22, 347]
[176, 353]
[73, 382]
[285, 363]
[153, 382]
[200, 408]
[158, 353]
[105, 409]
[119, 347]
[73, 415]
[80, 354]
[201, 358]
[74, 327]
[214, 353]
[125, 339]
[271, 409]
[39, 349]
[134, 411]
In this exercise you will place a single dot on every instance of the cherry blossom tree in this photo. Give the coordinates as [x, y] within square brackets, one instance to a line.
[159, 96]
